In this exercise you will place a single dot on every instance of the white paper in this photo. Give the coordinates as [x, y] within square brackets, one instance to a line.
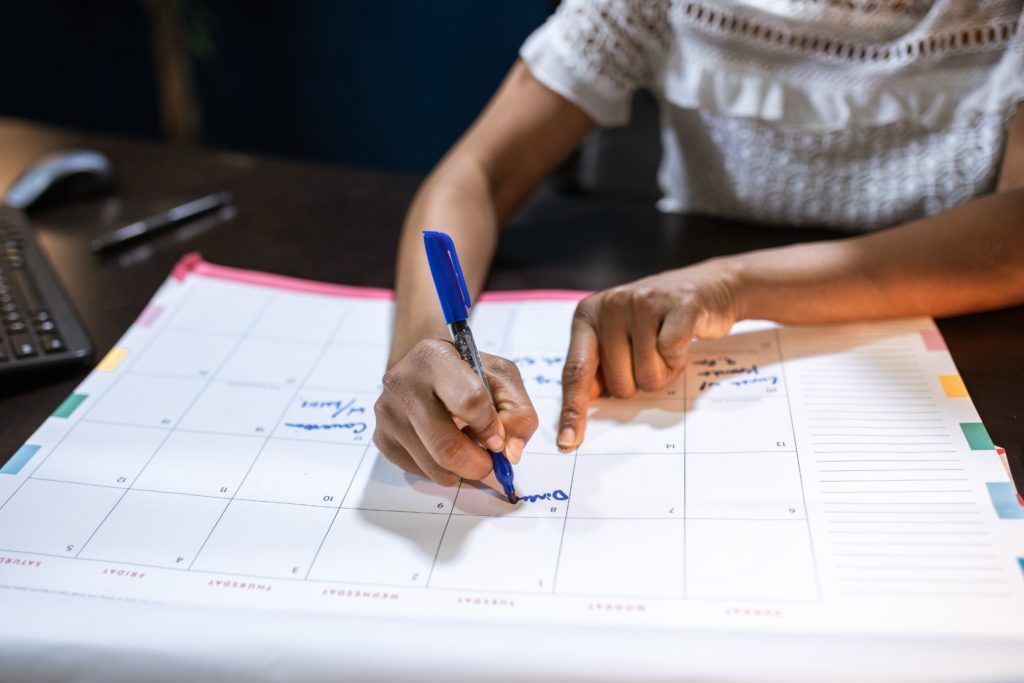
[794, 481]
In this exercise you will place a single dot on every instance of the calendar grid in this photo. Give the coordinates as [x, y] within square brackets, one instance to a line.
[64, 436]
[170, 430]
[686, 497]
[257, 477]
[334, 519]
[270, 432]
[796, 456]
[440, 541]
[431, 589]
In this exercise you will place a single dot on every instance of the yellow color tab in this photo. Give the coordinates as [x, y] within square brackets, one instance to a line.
[112, 359]
[953, 385]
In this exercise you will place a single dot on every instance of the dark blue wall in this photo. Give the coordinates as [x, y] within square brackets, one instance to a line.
[388, 84]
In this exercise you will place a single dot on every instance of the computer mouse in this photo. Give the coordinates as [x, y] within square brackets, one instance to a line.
[61, 176]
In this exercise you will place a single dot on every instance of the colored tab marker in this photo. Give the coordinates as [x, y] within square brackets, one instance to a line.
[112, 359]
[149, 315]
[19, 459]
[954, 386]
[1004, 499]
[1020, 561]
[977, 436]
[69, 405]
[933, 340]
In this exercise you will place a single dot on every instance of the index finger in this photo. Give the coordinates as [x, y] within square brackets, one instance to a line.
[578, 377]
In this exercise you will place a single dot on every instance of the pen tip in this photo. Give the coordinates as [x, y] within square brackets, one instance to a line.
[513, 498]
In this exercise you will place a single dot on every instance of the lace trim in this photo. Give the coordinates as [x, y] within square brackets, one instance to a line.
[717, 57]
[992, 34]
[854, 178]
[620, 41]
[913, 8]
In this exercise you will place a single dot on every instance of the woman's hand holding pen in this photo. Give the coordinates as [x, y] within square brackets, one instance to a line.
[434, 414]
[636, 336]
[430, 393]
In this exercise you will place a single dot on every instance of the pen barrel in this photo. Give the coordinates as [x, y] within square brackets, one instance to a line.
[502, 468]
[462, 337]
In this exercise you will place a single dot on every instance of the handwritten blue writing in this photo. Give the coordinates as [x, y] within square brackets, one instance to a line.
[766, 379]
[349, 407]
[557, 494]
[752, 370]
[541, 369]
[354, 427]
[541, 360]
[714, 362]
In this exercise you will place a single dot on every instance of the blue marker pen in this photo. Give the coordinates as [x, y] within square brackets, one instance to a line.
[455, 304]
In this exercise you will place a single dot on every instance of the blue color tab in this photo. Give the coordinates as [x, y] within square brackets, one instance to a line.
[19, 459]
[1020, 560]
[1004, 498]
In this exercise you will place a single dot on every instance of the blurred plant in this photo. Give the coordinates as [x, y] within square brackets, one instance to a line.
[182, 30]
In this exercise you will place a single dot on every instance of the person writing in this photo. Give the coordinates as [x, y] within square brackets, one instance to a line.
[889, 119]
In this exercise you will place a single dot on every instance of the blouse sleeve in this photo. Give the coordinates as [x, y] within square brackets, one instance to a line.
[596, 53]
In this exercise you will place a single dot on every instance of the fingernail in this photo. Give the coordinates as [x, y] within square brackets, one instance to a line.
[514, 449]
[567, 438]
[495, 443]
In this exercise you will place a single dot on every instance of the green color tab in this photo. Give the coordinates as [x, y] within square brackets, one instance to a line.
[977, 437]
[69, 405]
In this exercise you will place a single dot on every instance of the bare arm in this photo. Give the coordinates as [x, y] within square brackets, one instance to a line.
[970, 258]
[1012, 174]
[636, 336]
[429, 392]
[522, 135]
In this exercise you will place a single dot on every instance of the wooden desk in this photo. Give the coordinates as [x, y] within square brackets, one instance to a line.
[342, 225]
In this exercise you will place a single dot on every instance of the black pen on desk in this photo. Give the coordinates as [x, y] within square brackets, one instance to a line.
[162, 221]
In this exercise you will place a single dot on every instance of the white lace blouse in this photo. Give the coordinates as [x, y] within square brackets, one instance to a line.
[851, 113]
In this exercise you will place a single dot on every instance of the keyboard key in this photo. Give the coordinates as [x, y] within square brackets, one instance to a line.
[51, 343]
[22, 345]
[32, 334]
[23, 287]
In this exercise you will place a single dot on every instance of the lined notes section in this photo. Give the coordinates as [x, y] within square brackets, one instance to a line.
[896, 505]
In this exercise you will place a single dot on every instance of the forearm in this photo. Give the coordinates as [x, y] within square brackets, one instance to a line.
[970, 258]
[456, 199]
[522, 135]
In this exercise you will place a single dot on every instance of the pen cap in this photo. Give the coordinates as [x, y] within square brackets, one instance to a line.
[447, 273]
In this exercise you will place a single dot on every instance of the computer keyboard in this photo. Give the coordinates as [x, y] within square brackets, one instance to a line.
[38, 327]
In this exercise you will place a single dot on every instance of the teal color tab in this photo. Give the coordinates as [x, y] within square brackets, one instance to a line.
[69, 405]
[19, 459]
[1020, 561]
[1004, 498]
[977, 436]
